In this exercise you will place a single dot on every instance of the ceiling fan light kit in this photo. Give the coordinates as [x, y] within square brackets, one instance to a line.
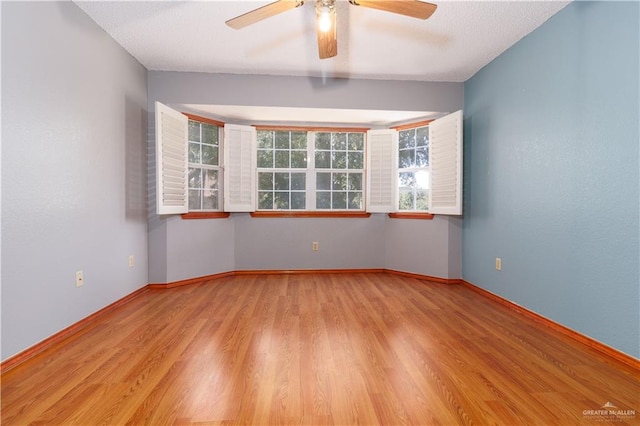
[326, 16]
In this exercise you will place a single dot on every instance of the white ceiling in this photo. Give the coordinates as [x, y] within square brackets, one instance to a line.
[459, 39]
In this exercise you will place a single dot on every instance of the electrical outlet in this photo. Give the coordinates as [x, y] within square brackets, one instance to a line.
[79, 279]
[132, 262]
[498, 264]
[314, 246]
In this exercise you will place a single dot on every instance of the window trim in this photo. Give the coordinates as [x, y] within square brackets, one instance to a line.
[412, 215]
[311, 171]
[310, 213]
[406, 214]
[205, 215]
[220, 167]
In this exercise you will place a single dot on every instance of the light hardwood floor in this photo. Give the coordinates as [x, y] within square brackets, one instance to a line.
[364, 348]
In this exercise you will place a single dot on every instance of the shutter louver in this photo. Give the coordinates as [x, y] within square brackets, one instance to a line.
[445, 191]
[172, 171]
[382, 154]
[239, 168]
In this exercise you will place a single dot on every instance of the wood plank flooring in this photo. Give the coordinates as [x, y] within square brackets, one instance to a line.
[339, 349]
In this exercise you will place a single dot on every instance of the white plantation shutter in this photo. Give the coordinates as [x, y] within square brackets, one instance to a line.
[239, 168]
[382, 161]
[445, 156]
[172, 171]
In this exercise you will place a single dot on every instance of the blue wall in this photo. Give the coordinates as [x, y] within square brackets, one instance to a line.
[551, 172]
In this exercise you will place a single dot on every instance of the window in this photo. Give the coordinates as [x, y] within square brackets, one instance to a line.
[204, 165]
[282, 164]
[413, 169]
[339, 163]
[310, 170]
[409, 170]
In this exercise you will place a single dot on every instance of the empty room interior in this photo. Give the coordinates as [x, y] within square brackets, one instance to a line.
[322, 212]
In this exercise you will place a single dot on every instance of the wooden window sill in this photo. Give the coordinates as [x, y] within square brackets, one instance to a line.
[205, 215]
[311, 214]
[423, 216]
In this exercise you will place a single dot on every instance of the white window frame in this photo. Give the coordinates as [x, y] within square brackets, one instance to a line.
[311, 171]
[445, 168]
[218, 167]
[414, 169]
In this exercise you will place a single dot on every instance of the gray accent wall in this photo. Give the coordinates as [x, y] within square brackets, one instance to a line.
[74, 111]
[181, 249]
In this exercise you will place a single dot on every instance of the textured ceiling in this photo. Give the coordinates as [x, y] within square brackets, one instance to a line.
[452, 45]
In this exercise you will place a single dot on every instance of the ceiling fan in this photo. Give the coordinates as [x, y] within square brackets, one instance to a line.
[326, 16]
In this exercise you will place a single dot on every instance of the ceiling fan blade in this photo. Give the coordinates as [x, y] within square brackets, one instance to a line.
[263, 12]
[413, 8]
[328, 40]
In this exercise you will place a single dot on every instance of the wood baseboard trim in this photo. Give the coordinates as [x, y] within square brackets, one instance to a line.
[579, 337]
[189, 281]
[438, 280]
[34, 350]
[305, 271]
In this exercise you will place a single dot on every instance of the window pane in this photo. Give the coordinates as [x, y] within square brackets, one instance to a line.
[210, 179]
[339, 200]
[282, 160]
[323, 160]
[356, 141]
[298, 181]
[406, 200]
[355, 181]
[422, 157]
[265, 139]
[194, 153]
[298, 201]
[209, 134]
[195, 177]
[339, 141]
[281, 200]
[406, 139]
[422, 200]
[210, 200]
[323, 141]
[422, 179]
[194, 131]
[339, 182]
[422, 136]
[195, 200]
[265, 181]
[339, 160]
[265, 158]
[299, 159]
[356, 160]
[299, 140]
[210, 155]
[407, 180]
[281, 181]
[323, 181]
[265, 200]
[355, 201]
[407, 158]
[282, 140]
[323, 200]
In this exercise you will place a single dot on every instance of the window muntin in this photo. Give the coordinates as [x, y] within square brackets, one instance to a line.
[339, 164]
[413, 169]
[204, 166]
[305, 170]
[282, 170]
